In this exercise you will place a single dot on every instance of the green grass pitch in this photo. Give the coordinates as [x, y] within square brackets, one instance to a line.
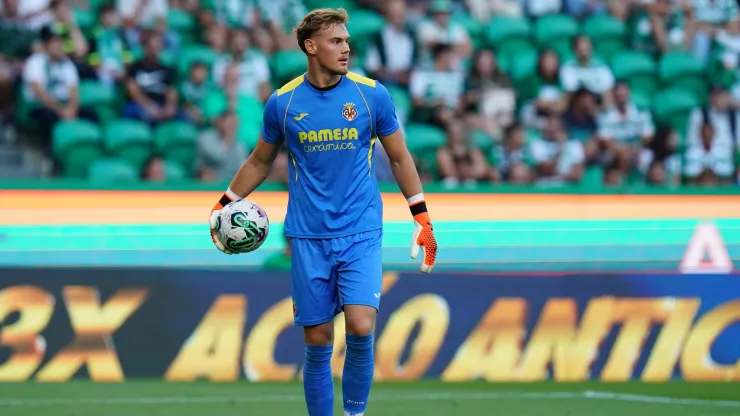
[423, 398]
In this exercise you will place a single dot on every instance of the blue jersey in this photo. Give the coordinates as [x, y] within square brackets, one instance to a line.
[330, 135]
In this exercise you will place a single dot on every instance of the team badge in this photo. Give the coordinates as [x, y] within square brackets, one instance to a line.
[349, 112]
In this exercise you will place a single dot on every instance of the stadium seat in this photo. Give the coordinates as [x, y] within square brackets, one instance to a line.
[100, 98]
[363, 25]
[85, 19]
[183, 23]
[682, 69]
[637, 68]
[642, 100]
[423, 140]
[177, 141]
[556, 32]
[174, 172]
[349, 5]
[193, 53]
[75, 145]
[401, 101]
[481, 140]
[287, 64]
[509, 36]
[128, 140]
[609, 35]
[112, 171]
[472, 26]
[673, 107]
[523, 69]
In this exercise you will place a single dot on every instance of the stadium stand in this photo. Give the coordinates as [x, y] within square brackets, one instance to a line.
[540, 92]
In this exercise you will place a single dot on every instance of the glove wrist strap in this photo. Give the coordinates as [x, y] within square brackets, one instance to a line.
[228, 197]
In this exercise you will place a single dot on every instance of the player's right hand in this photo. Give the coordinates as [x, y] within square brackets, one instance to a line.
[215, 219]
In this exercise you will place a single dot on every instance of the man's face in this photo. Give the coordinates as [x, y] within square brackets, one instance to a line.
[55, 47]
[154, 46]
[720, 100]
[621, 94]
[240, 42]
[396, 12]
[331, 48]
[442, 18]
[583, 48]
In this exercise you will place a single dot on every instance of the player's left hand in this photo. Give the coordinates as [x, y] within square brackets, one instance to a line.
[214, 219]
[424, 237]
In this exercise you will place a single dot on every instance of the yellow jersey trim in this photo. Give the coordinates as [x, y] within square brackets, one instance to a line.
[361, 80]
[290, 86]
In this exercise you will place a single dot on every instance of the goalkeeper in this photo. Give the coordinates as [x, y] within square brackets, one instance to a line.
[330, 119]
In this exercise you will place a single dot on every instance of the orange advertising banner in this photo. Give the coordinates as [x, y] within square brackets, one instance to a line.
[19, 207]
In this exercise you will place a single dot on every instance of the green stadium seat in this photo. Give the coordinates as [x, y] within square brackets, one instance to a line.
[423, 140]
[523, 74]
[642, 100]
[85, 19]
[100, 98]
[472, 26]
[287, 64]
[509, 36]
[129, 140]
[682, 69]
[363, 25]
[349, 5]
[481, 140]
[112, 171]
[173, 172]
[183, 23]
[556, 32]
[609, 35]
[637, 68]
[177, 141]
[673, 107]
[193, 53]
[401, 101]
[76, 144]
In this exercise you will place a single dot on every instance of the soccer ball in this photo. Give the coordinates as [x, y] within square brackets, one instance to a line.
[242, 226]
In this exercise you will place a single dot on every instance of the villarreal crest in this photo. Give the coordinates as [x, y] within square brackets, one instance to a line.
[349, 112]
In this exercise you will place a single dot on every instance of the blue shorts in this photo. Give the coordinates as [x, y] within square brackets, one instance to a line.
[330, 273]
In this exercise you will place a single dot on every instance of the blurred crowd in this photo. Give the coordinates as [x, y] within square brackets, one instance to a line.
[571, 118]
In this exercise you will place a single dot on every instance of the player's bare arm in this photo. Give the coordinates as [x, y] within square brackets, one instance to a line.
[407, 177]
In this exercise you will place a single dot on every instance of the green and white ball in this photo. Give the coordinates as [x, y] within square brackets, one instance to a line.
[242, 226]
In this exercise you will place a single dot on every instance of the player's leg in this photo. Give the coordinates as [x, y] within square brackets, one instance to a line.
[360, 272]
[316, 302]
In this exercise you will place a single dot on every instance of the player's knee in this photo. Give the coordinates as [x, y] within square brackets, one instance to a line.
[359, 320]
[319, 334]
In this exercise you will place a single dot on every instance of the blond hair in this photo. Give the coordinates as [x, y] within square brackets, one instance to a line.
[319, 19]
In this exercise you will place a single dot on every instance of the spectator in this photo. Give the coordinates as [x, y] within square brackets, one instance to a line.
[557, 159]
[625, 129]
[711, 16]
[110, 54]
[441, 30]
[193, 92]
[75, 44]
[216, 38]
[227, 14]
[620, 9]
[281, 260]
[490, 99]
[152, 95]
[550, 99]
[711, 161]
[580, 118]
[220, 153]
[154, 170]
[279, 173]
[32, 14]
[459, 162]
[392, 54]
[437, 92]
[50, 80]
[662, 25]
[17, 33]
[512, 158]
[254, 71]
[140, 16]
[484, 10]
[585, 71]
[720, 115]
[659, 161]
[278, 18]
[582, 8]
[537, 8]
